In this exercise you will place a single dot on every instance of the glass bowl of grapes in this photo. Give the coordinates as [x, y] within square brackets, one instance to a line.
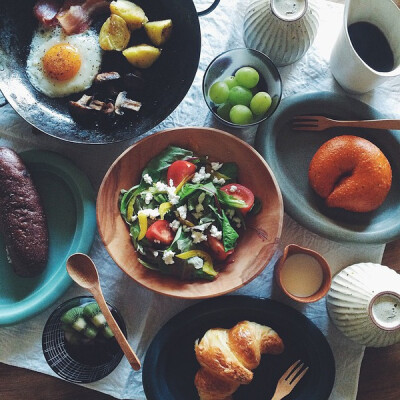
[78, 344]
[242, 87]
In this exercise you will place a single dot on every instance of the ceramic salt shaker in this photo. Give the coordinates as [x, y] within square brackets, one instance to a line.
[364, 303]
[282, 29]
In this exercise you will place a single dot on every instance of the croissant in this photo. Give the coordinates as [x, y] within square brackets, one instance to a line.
[228, 356]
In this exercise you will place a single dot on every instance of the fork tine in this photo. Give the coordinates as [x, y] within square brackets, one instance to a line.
[291, 369]
[295, 381]
[294, 373]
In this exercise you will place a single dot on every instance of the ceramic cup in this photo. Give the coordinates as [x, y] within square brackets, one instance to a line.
[302, 277]
[348, 68]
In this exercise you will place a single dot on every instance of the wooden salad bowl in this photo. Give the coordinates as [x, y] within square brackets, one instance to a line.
[255, 246]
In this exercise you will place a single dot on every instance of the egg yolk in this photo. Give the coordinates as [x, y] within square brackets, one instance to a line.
[61, 62]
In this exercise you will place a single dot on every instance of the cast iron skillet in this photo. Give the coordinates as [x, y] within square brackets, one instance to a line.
[167, 81]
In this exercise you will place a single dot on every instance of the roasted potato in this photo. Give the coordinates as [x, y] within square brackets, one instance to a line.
[158, 31]
[133, 15]
[142, 56]
[114, 34]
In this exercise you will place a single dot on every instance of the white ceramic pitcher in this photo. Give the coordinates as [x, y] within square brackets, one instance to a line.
[348, 68]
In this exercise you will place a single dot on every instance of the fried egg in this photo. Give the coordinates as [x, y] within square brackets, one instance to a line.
[59, 65]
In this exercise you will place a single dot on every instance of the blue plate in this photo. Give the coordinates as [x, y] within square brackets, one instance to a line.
[68, 200]
[170, 364]
[289, 153]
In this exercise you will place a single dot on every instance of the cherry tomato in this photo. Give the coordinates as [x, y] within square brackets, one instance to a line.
[240, 193]
[179, 170]
[161, 231]
[217, 248]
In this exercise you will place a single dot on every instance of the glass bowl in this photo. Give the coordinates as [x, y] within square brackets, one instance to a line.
[79, 363]
[227, 63]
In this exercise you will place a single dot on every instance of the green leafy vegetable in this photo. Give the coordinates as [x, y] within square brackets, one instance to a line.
[229, 200]
[230, 170]
[229, 235]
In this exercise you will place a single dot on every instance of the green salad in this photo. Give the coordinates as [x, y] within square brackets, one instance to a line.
[186, 213]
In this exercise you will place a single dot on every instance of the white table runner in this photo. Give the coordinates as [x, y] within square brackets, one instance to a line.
[145, 312]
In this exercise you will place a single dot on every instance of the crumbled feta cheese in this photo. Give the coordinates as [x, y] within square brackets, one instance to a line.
[233, 189]
[161, 187]
[230, 213]
[199, 208]
[201, 197]
[168, 257]
[171, 183]
[172, 196]
[147, 179]
[155, 253]
[200, 176]
[148, 197]
[134, 218]
[202, 227]
[174, 225]
[216, 166]
[220, 181]
[148, 212]
[156, 241]
[238, 222]
[197, 262]
[198, 237]
[215, 232]
[182, 210]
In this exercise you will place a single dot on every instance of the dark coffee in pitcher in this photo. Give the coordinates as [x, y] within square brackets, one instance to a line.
[372, 46]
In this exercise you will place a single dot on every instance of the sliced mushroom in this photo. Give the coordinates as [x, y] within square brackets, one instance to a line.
[88, 110]
[108, 83]
[107, 77]
[124, 103]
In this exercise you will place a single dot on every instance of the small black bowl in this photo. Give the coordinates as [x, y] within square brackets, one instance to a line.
[227, 63]
[79, 363]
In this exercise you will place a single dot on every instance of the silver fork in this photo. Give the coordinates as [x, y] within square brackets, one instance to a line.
[289, 380]
[320, 123]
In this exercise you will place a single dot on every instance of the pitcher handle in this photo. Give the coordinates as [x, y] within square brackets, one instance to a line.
[209, 9]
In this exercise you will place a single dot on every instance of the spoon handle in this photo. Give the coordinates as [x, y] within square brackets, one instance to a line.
[119, 336]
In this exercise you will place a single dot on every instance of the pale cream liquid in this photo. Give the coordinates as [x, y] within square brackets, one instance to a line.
[386, 311]
[301, 275]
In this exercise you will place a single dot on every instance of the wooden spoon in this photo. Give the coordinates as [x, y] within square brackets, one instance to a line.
[82, 270]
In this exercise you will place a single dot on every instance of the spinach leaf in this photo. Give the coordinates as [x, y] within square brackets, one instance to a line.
[256, 207]
[161, 162]
[182, 241]
[125, 198]
[230, 170]
[229, 235]
[229, 200]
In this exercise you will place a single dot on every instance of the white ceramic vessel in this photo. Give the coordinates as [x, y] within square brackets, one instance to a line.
[282, 29]
[364, 303]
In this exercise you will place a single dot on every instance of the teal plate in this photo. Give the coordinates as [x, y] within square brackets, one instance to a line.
[289, 153]
[68, 200]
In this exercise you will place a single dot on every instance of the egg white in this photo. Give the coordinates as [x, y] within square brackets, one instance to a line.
[87, 45]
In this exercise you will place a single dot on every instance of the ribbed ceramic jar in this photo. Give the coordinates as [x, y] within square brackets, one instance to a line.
[364, 303]
[282, 29]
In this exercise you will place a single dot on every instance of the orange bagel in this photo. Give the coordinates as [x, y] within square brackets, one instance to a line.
[350, 172]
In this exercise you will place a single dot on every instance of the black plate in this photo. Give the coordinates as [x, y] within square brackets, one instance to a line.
[170, 364]
[167, 81]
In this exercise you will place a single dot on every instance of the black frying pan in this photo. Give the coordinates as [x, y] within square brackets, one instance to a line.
[167, 81]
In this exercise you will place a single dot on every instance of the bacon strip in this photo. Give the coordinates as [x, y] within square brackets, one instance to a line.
[46, 11]
[78, 17]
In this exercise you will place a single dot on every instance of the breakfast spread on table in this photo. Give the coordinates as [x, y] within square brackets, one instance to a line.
[194, 220]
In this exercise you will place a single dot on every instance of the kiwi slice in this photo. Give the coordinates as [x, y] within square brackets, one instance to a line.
[90, 331]
[107, 332]
[74, 318]
[93, 313]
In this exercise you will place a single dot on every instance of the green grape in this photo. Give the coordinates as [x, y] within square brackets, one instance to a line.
[219, 92]
[241, 115]
[231, 81]
[260, 103]
[240, 95]
[223, 111]
[247, 77]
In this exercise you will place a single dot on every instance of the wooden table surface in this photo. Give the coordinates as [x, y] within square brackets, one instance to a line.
[379, 379]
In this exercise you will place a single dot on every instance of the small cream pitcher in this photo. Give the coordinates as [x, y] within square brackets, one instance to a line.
[364, 22]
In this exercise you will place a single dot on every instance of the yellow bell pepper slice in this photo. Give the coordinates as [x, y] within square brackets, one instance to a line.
[129, 211]
[164, 208]
[143, 225]
[208, 264]
[184, 180]
[218, 175]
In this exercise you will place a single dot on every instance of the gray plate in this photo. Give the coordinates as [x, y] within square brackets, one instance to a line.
[289, 153]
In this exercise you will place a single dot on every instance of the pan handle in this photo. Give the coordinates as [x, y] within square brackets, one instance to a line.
[209, 9]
